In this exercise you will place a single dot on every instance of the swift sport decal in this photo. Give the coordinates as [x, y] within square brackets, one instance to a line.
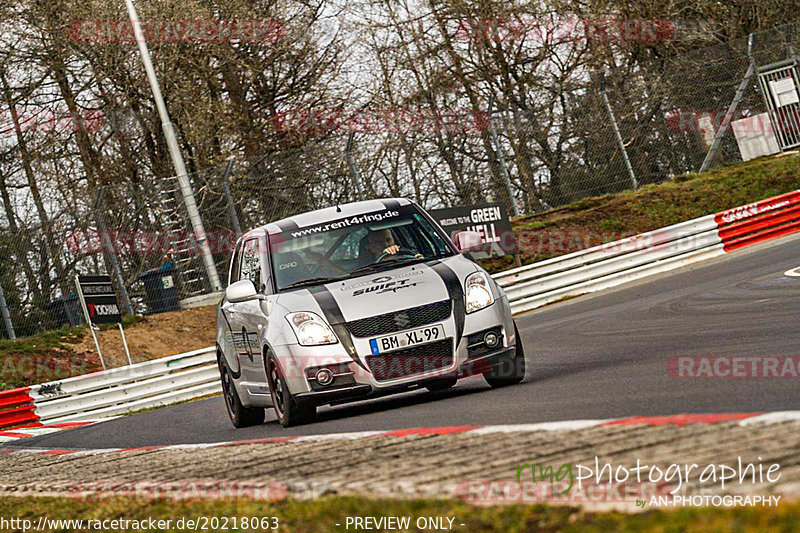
[389, 286]
[334, 317]
[381, 280]
[387, 292]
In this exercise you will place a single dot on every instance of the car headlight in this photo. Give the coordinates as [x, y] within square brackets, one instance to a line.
[479, 293]
[310, 329]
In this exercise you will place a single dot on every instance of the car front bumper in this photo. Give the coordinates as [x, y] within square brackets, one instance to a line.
[361, 383]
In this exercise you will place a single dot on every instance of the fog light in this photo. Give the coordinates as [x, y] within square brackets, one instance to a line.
[324, 376]
[491, 339]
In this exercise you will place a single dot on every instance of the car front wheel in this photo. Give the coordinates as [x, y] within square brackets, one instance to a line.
[289, 411]
[240, 415]
[509, 370]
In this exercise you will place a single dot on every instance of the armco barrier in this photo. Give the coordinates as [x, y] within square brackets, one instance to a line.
[113, 392]
[650, 253]
[189, 375]
[759, 221]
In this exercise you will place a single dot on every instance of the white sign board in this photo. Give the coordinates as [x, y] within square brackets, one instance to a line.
[755, 136]
[784, 92]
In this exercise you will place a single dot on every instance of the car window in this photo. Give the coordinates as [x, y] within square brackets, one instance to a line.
[251, 263]
[355, 245]
[236, 264]
[348, 249]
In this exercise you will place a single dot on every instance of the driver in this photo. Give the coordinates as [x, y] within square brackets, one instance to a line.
[372, 246]
[375, 244]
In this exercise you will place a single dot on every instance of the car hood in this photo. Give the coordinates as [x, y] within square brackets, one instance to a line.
[383, 292]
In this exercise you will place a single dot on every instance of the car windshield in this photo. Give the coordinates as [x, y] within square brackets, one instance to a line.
[354, 245]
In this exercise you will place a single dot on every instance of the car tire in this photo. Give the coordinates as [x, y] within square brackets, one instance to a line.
[240, 416]
[509, 370]
[441, 384]
[288, 410]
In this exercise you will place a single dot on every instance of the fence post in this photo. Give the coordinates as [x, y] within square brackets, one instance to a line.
[501, 159]
[229, 199]
[175, 153]
[728, 118]
[353, 170]
[6, 316]
[105, 241]
[620, 142]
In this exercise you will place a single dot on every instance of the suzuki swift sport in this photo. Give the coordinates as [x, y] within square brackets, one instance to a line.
[357, 301]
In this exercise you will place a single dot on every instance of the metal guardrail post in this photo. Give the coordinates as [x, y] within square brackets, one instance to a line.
[6, 316]
[353, 170]
[615, 127]
[728, 118]
[229, 198]
[501, 159]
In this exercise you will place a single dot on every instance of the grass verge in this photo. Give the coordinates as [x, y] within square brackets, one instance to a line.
[324, 514]
[43, 357]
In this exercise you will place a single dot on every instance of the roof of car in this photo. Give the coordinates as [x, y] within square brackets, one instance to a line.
[328, 214]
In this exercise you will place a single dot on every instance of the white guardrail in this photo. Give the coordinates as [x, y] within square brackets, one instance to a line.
[113, 392]
[611, 264]
[189, 375]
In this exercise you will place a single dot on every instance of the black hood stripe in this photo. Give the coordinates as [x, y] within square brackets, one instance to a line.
[334, 317]
[456, 293]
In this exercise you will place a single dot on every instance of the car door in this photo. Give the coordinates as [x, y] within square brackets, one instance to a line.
[236, 342]
[252, 316]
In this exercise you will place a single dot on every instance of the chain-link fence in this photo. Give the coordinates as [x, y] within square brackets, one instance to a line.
[594, 133]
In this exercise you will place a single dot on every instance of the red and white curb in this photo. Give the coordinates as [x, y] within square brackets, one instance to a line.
[26, 432]
[742, 419]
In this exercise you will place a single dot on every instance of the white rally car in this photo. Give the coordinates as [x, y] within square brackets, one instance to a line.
[356, 301]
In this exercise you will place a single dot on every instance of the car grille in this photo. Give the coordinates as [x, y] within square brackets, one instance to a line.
[400, 320]
[411, 361]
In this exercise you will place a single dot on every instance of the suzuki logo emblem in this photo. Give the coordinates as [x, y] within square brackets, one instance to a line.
[401, 320]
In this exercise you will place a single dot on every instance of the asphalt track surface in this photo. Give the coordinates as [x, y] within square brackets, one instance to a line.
[595, 357]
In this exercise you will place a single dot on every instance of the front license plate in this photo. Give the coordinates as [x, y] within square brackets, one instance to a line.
[407, 338]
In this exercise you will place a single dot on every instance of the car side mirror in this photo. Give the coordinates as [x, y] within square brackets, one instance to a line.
[468, 241]
[242, 291]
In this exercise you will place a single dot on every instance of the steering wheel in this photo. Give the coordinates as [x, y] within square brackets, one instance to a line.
[402, 251]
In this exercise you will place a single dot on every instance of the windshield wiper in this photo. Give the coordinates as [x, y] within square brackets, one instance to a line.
[310, 281]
